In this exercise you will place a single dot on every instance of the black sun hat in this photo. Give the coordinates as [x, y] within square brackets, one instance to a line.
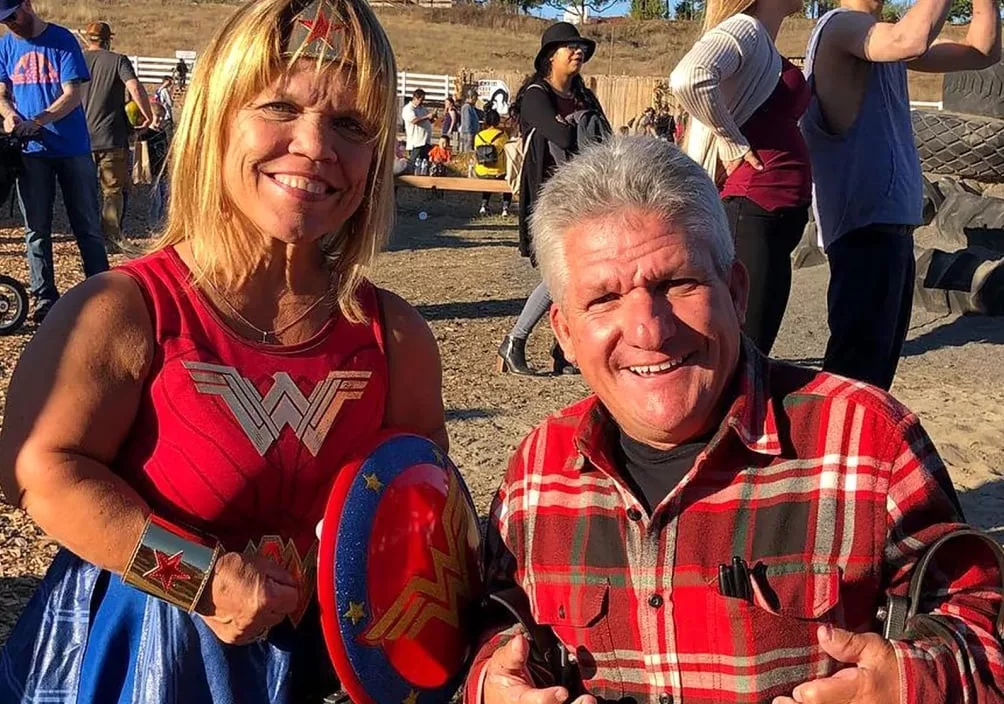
[562, 33]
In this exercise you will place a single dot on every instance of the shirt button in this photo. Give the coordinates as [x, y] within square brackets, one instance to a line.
[634, 514]
[665, 699]
[655, 601]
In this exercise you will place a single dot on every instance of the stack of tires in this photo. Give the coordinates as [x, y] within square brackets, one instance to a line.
[966, 139]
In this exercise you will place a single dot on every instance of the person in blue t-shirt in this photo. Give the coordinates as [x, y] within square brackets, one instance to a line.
[41, 69]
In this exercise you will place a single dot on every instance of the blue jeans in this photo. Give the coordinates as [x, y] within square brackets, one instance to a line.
[36, 193]
[158, 202]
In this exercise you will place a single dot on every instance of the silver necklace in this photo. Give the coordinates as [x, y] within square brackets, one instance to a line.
[265, 333]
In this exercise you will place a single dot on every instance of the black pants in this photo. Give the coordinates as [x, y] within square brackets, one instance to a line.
[869, 302]
[487, 196]
[764, 241]
[416, 153]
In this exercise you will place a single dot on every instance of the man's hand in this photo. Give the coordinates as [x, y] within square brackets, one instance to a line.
[26, 128]
[749, 157]
[10, 122]
[246, 597]
[507, 680]
[872, 679]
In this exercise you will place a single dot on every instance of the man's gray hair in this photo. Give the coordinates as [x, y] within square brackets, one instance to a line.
[621, 174]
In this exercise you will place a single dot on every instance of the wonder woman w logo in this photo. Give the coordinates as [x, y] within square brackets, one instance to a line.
[263, 417]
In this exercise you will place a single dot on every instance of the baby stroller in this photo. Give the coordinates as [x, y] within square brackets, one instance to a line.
[13, 295]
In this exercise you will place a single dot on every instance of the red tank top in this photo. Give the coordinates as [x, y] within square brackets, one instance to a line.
[773, 133]
[243, 440]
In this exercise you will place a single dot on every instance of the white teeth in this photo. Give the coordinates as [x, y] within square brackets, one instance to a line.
[304, 184]
[657, 368]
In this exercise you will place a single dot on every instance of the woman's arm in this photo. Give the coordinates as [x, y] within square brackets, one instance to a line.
[696, 83]
[538, 112]
[72, 401]
[415, 399]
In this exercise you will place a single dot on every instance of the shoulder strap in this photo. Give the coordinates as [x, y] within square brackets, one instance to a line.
[901, 611]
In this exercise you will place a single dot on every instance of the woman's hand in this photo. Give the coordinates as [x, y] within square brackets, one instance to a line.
[246, 596]
[749, 157]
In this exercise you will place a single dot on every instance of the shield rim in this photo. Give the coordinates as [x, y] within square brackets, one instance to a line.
[327, 564]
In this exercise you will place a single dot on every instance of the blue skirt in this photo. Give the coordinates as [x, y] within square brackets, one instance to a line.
[87, 638]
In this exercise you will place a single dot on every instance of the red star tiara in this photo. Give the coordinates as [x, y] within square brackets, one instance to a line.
[317, 32]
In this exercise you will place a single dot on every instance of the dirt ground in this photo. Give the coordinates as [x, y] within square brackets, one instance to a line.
[466, 277]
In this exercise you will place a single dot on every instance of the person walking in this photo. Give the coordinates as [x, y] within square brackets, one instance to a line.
[104, 98]
[41, 72]
[547, 108]
[745, 101]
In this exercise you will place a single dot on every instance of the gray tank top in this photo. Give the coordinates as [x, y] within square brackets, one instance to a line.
[870, 174]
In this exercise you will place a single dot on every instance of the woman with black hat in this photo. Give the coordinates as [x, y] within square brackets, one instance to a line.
[546, 108]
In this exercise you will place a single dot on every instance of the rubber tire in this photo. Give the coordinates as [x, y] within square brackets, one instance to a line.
[22, 293]
[963, 146]
[975, 92]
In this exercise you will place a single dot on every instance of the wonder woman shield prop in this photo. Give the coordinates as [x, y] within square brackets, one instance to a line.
[398, 573]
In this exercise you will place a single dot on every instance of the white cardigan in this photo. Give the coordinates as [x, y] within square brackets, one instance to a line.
[729, 73]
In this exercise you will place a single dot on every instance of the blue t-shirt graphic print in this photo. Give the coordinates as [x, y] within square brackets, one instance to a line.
[35, 71]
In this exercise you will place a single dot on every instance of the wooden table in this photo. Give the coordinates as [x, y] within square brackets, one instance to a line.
[454, 183]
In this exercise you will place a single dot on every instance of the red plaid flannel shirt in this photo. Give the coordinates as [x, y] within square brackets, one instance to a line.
[830, 483]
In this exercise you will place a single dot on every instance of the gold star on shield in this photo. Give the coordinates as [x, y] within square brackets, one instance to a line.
[373, 482]
[412, 698]
[355, 613]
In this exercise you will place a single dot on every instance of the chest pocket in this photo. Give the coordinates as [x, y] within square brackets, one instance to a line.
[579, 615]
[787, 607]
[809, 593]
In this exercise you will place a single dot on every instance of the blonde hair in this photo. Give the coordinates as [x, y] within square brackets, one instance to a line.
[717, 11]
[244, 57]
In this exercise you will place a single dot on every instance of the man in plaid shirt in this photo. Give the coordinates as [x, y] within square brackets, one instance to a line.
[712, 525]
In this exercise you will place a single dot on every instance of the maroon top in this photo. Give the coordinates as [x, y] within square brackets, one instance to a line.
[772, 131]
[564, 106]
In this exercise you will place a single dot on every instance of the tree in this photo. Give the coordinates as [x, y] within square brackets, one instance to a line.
[894, 11]
[690, 10]
[523, 6]
[648, 9]
[961, 11]
[815, 9]
[582, 8]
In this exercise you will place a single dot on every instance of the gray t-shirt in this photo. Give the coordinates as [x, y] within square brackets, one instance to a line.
[104, 98]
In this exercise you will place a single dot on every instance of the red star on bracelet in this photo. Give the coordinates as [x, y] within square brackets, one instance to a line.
[167, 569]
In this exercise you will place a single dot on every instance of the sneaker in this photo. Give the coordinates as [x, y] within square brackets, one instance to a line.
[505, 212]
[483, 211]
[42, 309]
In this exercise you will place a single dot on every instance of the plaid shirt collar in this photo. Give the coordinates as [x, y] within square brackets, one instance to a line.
[751, 417]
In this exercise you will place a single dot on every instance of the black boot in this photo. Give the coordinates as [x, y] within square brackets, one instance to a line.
[512, 357]
[562, 365]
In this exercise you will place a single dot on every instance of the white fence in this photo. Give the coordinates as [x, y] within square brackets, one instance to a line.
[152, 69]
[436, 87]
